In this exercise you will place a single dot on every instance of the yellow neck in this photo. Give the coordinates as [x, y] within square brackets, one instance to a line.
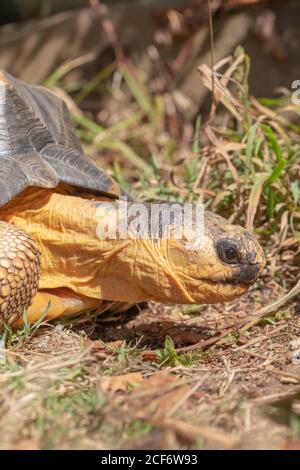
[73, 256]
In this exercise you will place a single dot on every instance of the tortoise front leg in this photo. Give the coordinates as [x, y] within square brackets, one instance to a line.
[19, 272]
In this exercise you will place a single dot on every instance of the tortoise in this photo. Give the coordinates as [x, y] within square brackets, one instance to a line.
[50, 253]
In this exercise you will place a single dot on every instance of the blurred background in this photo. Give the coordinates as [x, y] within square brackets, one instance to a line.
[137, 78]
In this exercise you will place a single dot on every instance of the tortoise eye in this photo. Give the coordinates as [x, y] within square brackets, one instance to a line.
[228, 251]
[231, 253]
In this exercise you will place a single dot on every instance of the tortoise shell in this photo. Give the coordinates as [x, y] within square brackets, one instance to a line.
[38, 146]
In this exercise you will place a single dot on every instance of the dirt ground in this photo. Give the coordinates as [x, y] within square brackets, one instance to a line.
[66, 388]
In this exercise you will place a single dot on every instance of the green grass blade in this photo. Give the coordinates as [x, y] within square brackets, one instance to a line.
[251, 144]
[138, 91]
[196, 144]
[254, 198]
[128, 153]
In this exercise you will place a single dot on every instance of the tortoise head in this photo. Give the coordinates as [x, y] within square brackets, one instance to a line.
[223, 266]
[180, 266]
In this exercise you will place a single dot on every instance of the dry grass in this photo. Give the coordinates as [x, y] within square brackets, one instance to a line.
[61, 389]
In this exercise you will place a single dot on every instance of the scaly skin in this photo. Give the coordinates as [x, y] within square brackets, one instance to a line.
[19, 271]
[79, 271]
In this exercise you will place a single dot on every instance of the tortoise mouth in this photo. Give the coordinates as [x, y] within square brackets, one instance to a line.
[244, 276]
[214, 291]
[226, 282]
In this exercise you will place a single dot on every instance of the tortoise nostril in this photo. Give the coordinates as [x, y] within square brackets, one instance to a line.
[256, 258]
[248, 273]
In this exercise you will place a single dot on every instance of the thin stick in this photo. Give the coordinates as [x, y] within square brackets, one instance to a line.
[273, 306]
[212, 58]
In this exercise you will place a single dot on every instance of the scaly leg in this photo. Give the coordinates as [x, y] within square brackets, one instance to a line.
[19, 278]
[57, 303]
[19, 272]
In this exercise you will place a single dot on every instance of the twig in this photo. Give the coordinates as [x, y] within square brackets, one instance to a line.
[191, 432]
[273, 306]
[204, 343]
[189, 393]
[284, 374]
[243, 326]
[262, 337]
[109, 29]
[212, 57]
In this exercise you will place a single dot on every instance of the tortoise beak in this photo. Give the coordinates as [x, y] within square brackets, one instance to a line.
[248, 273]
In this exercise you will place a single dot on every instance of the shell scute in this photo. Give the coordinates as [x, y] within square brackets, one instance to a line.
[38, 145]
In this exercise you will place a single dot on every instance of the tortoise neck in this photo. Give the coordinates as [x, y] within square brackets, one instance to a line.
[69, 231]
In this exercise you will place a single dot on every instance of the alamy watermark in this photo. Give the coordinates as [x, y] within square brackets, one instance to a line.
[296, 94]
[123, 220]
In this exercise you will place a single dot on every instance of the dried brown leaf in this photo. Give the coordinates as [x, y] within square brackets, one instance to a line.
[256, 190]
[118, 383]
[156, 396]
[191, 433]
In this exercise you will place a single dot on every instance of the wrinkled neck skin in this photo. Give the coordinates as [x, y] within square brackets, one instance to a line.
[66, 228]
